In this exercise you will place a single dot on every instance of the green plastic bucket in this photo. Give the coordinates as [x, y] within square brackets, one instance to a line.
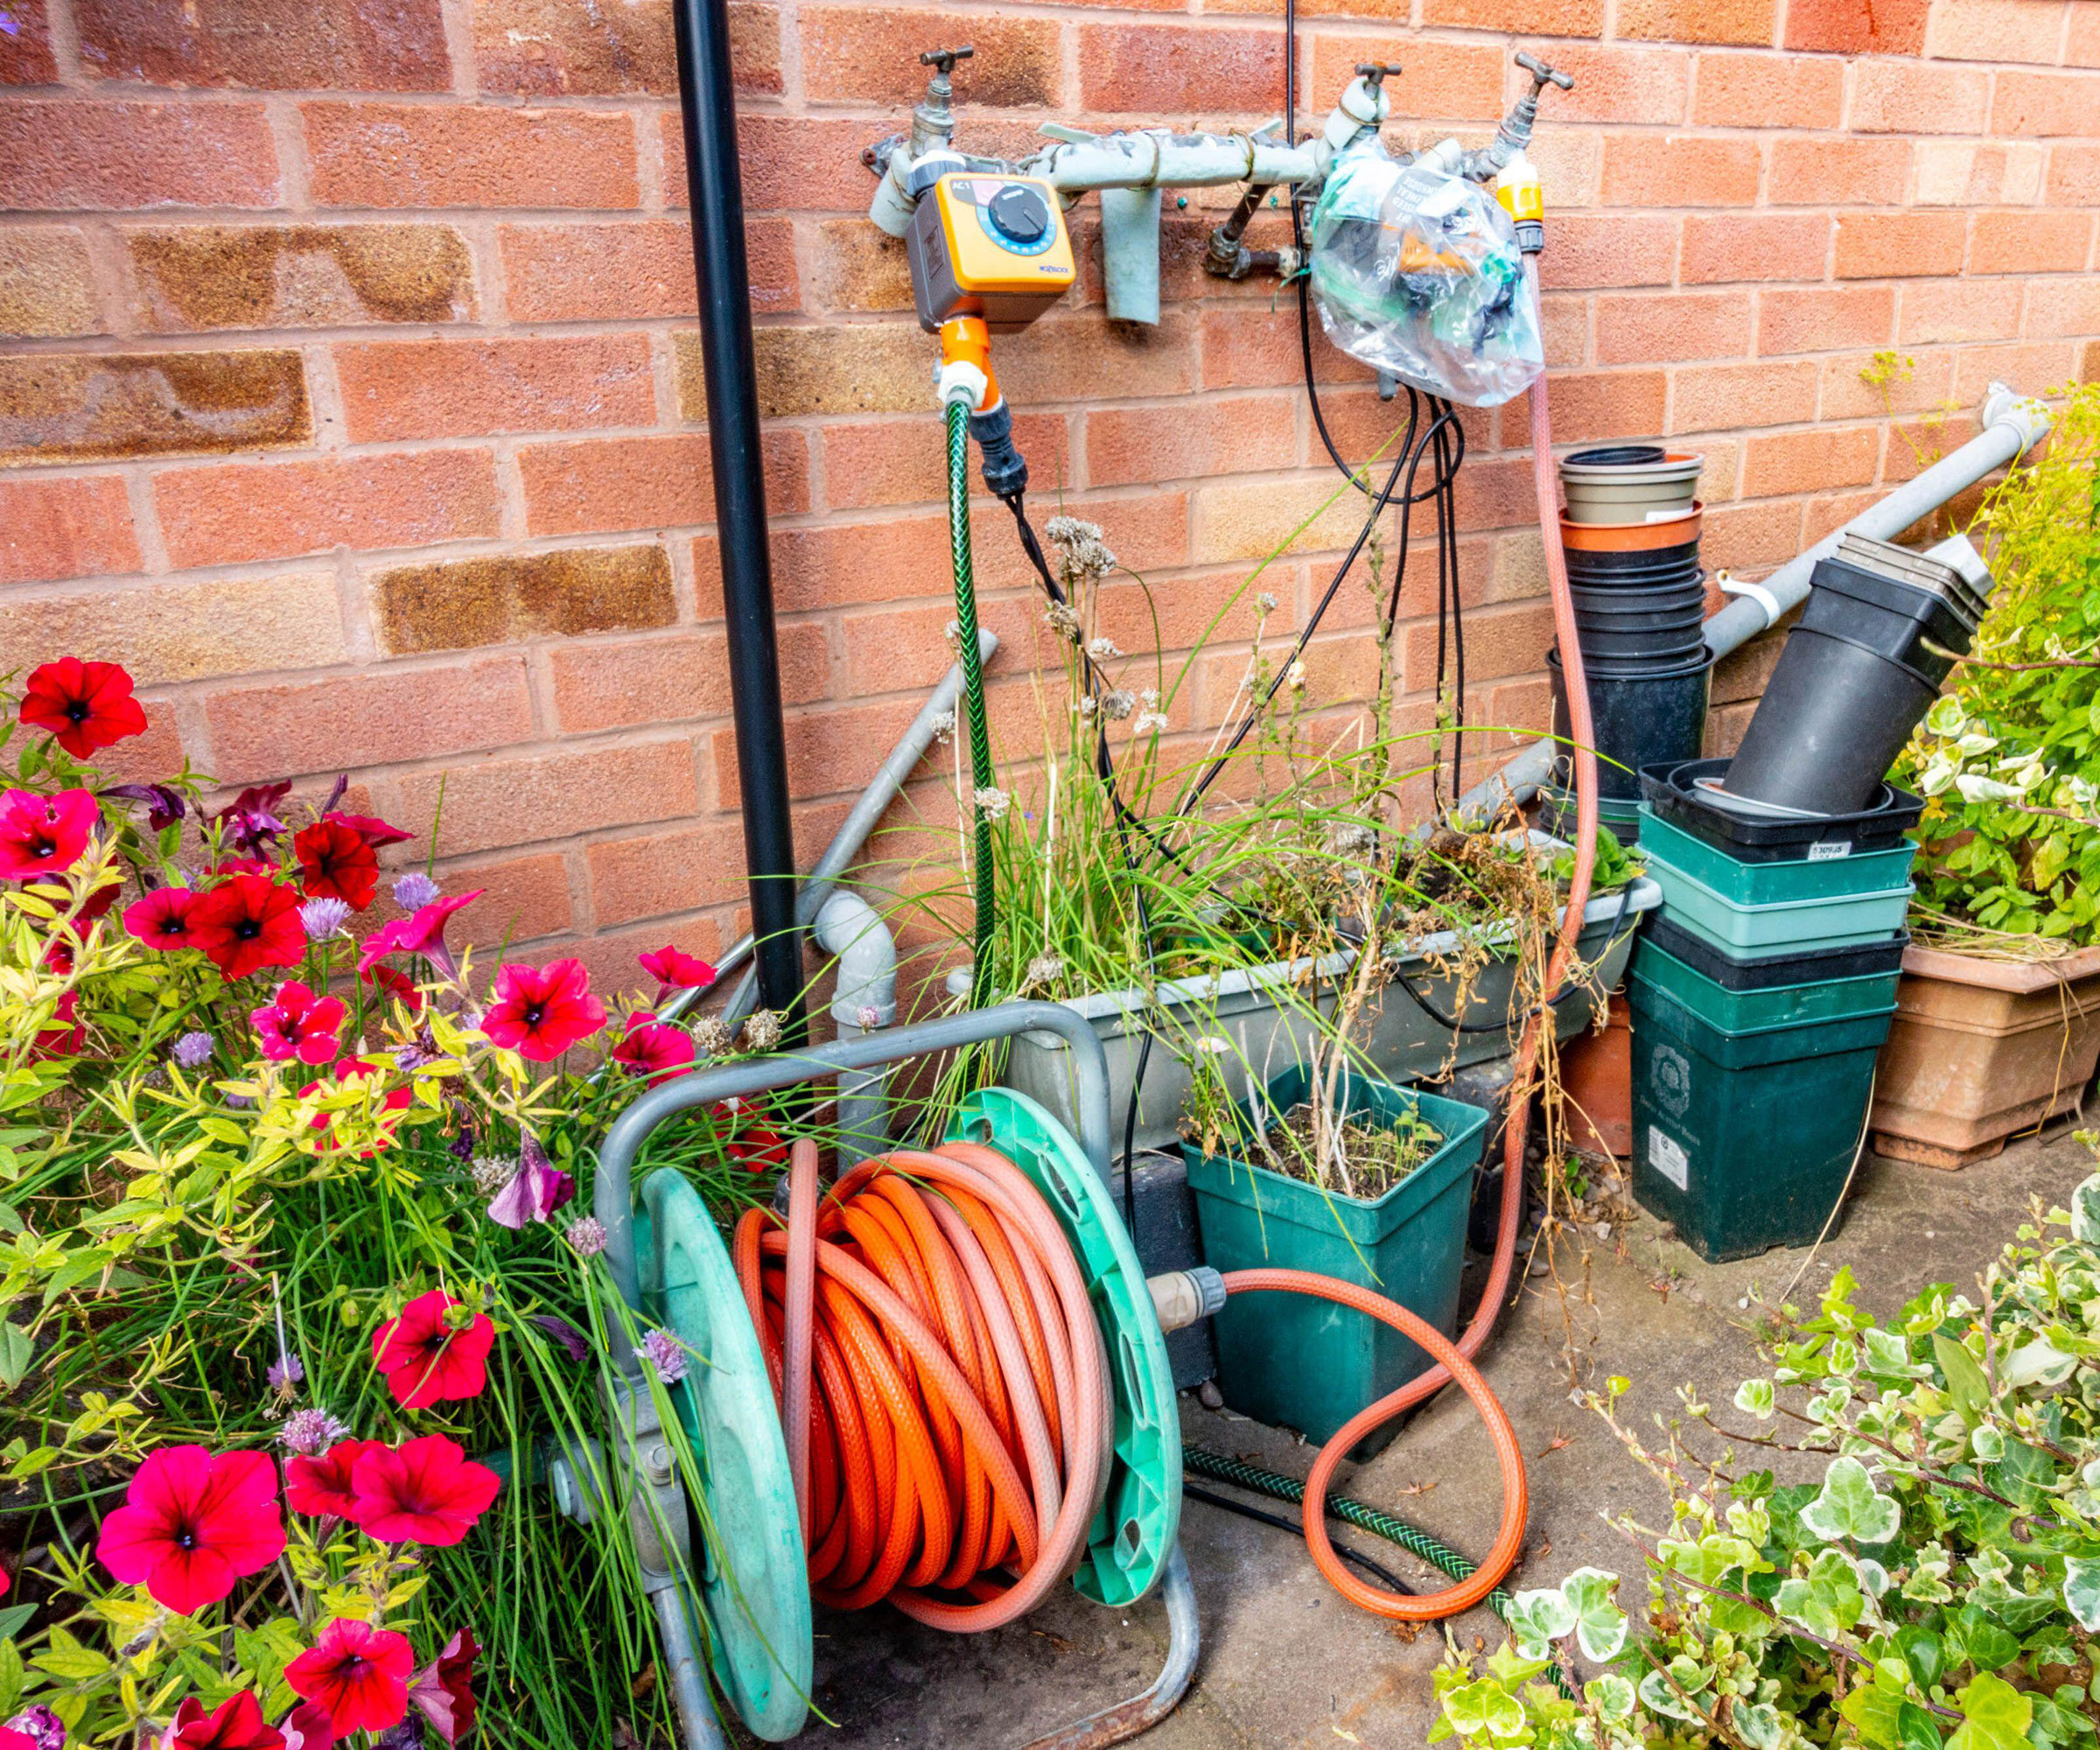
[1744, 1140]
[1763, 884]
[1297, 1362]
[1776, 927]
[1777, 1005]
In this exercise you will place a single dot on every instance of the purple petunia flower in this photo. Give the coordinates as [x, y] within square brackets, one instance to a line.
[535, 1191]
[571, 1340]
[41, 1727]
[310, 1432]
[192, 1050]
[666, 1354]
[323, 919]
[414, 891]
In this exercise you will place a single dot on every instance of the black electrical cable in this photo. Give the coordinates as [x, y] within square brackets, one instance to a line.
[1385, 1577]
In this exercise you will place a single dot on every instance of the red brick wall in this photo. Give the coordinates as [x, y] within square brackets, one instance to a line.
[349, 396]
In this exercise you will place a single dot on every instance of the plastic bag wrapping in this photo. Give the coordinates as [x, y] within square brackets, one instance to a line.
[1417, 273]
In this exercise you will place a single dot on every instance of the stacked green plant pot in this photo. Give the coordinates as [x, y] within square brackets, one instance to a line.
[1761, 993]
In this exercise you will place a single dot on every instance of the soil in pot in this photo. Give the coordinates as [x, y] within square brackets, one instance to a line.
[1379, 1155]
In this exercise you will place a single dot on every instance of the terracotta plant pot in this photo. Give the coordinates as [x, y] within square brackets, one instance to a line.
[1982, 1049]
[1597, 1076]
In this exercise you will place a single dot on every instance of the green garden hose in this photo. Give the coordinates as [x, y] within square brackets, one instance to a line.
[973, 686]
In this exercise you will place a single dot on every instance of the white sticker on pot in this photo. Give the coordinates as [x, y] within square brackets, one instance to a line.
[1828, 850]
[1667, 1158]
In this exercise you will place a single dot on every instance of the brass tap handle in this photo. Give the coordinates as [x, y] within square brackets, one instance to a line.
[1542, 75]
[1372, 73]
[943, 60]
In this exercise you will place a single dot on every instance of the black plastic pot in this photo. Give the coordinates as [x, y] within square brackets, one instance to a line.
[1656, 648]
[1810, 966]
[1655, 564]
[1617, 456]
[1642, 719]
[1673, 793]
[1691, 595]
[1642, 614]
[1893, 618]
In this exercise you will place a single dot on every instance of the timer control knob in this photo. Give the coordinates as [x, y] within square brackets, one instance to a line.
[1020, 213]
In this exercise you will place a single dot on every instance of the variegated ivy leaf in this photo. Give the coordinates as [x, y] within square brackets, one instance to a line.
[1873, 1578]
[1759, 1726]
[1599, 1624]
[1484, 1710]
[1539, 1617]
[1612, 1696]
[1826, 1601]
[2081, 1591]
[1844, 1356]
[2085, 1212]
[1946, 716]
[1674, 1695]
[1887, 1353]
[1756, 1397]
[1928, 1581]
[1750, 1520]
[1987, 1442]
[1849, 1507]
[2037, 1363]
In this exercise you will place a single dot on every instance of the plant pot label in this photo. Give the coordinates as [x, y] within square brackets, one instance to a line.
[1828, 850]
[1667, 1158]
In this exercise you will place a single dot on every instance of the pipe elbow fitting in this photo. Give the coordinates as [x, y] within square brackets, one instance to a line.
[853, 931]
[2028, 418]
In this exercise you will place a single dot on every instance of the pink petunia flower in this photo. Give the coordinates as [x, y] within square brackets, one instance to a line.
[193, 1524]
[43, 835]
[675, 970]
[248, 922]
[164, 919]
[299, 1025]
[534, 1191]
[540, 1013]
[421, 934]
[427, 1359]
[86, 705]
[654, 1048]
[358, 1673]
[428, 1491]
[444, 1687]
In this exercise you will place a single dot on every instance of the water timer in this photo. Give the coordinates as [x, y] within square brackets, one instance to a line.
[989, 246]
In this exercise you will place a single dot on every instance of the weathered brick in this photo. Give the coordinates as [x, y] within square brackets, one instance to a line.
[1807, 173]
[46, 283]
[2075, 175]
[790, 162]
[1978, 173]
[859, 268]
[1861, 387]
[659, 482]
[1077, 358]
[268, 44]
[1715, 397]
[465, 155]
[658, 874]
[458, 604]
[1677, 169]
[203, 276]
[1767, 91]
[1449, 81]
[1857, 27]
[523, 899]
[1530, 17]
[1812, 321]
[905, 649]
[1623, 84]
[1140, 445]
[2061, 308]
[1749, 537]
[26, 56]
[227, 514]
[369, 716]
[1760, 247]
[1589, 406]
[1785, 462]
[395, 390]
[173, 629]
[1615, 250]
[71, 407]
[632, 268]
[854, 54]
[65, 529]
[1699, 21]
[544, 48]
[1165, 69]
[2040, 243]
[1900, 245]
[1499, 640]
[2082, 38]
[78, 156]
[843, 367]
[2030, 103]
[531, 799]
[2047, 362]
[675, 677]
[874, 462]
[1954, 310]
[1649, 328]
[1994, 30]
[611, 959]
[1254, 519]
[1917, 97]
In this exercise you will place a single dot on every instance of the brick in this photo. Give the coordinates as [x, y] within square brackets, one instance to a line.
[1085, 359]
[1591, 406]
[1166, 69]
[1141, 445]
[2031, 104]
[531, 800]
[1900, 245]
[2045, 363]
[660, 874]
[1507, 641]
[790, 162]
[844, 367]
[1817, 319]
[1257, 520]
[542, 48]
[80, 156]
[1699, 21]
[467, 155]
[603, 484]
[65, 529]
[897, 649]
[1978, 173]
[634, 268]
[230, 514]
[2061, 308]
[875, 462]
[2074, 176]
[1862, 386]
[1530, 17]
[369, 717]
[394, 390]
[455, 604]
[833, 752]
[1915, 97]
[1214, 606]
[860, 269]
[1857, 27]
[1957, 310]
[674, 678]
[268, 44]
[1787, 462]
[1615, 250]
[2082, 38]
[1749, 537]
[1807, 173]
[1453, 81]
[1994, 30]
[1717, 397]
[193, 277]
[1666, 170]
[523, 899]
[26, 56]
[46, 285]
[71, 407]
[853, 54]
[2040, 242]
[1624, 85]
[1777, 246]
[174, 629]
[1634, 329]
[1767, 91]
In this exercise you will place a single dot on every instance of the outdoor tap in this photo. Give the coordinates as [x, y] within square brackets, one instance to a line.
[933, 119]
[933, 130]
[1515, 133]
[1364, 106]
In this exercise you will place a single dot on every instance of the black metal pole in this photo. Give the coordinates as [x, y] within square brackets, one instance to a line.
[707, 98]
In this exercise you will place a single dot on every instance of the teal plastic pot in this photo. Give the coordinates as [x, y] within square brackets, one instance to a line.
[1776, 1005]
[1765, 884]
[1777, 926]
[1297, 1362]
[1743, 1140]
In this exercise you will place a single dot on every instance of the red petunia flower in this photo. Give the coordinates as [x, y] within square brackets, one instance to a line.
[395, 1101]
[43, 835]
[250, 922]
[675, 970]
[66, 1034]
[308, 1727]
[164, 919]
[86, 705]
[11, 1740]
[375, 832]
[250, 823]
[193, 1524]
[752, 1141]
[421, 934]
[236, 1723]
[654, 1048]
[298, 1023]
[320, 1487]
[398, 984]
[427, 1361]
[359, 1673]
[336, 862]
[428, 1491]
[541, 1011]
[444, 1687]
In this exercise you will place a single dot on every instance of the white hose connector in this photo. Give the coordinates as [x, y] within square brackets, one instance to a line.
[959, 380]
[1182, 1297]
